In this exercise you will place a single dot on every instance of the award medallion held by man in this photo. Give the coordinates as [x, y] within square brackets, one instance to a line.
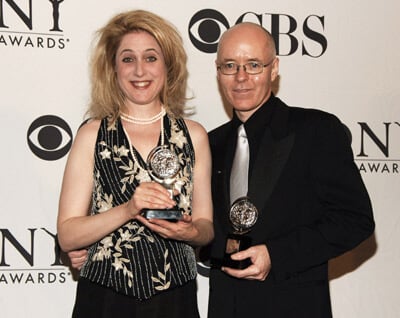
[242, 216]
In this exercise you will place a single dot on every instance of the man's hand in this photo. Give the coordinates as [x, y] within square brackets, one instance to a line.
[260, 267]
[78, 258]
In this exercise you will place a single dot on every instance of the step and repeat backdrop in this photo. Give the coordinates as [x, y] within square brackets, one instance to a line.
[341, 56]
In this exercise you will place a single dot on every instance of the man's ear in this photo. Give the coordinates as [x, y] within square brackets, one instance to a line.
[275, 69]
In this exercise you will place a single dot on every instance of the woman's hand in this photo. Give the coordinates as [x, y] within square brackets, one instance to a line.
[149, 195]
[181, 230]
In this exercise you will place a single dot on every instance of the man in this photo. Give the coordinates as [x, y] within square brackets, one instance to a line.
[312, 204]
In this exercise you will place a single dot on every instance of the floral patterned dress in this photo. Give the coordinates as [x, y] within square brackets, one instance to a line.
[133, 260]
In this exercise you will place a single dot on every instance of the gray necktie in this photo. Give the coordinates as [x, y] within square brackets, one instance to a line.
[240, 166]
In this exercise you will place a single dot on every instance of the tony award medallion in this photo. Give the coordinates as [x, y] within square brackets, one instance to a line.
[163, 166]
[243, 216]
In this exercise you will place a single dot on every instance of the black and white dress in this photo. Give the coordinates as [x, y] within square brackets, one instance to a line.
[134, 261]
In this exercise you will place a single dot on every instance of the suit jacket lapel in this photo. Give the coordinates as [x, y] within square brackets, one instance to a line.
[271, 159]
[272, 156]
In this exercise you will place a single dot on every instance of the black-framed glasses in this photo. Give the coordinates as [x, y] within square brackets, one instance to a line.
[252, 68]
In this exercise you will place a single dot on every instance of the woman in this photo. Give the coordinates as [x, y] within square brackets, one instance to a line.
[136, 267]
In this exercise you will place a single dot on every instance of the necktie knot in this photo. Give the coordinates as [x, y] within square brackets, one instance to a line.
[242, 132]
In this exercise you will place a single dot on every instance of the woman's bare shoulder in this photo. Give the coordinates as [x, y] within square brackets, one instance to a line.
[87, 132]
[195, 128]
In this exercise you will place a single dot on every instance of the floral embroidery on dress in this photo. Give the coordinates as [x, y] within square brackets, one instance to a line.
[132, 234]
[162, 280]
[103, 201]
[131, 168]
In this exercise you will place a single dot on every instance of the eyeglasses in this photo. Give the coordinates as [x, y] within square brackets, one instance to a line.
[252, 68]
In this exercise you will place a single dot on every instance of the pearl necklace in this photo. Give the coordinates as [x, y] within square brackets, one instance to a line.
[133, 152]
[143, 121]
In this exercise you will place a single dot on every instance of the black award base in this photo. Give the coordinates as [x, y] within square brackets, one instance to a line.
[172, 215]
[234, 244]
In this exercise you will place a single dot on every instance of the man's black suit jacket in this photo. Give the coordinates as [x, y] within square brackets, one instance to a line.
[313, 207]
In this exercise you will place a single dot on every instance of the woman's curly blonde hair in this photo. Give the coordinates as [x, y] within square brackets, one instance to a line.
[107, 98]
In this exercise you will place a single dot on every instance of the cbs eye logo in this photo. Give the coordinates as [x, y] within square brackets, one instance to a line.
[49, 137]
[205, 29]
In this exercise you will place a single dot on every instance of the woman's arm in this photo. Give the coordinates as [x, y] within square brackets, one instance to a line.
[202, 215]
[76, 228]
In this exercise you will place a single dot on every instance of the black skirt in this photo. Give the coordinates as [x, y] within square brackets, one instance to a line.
[93, 300]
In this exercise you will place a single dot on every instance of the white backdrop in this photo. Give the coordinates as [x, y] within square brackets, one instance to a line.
[346, 62]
